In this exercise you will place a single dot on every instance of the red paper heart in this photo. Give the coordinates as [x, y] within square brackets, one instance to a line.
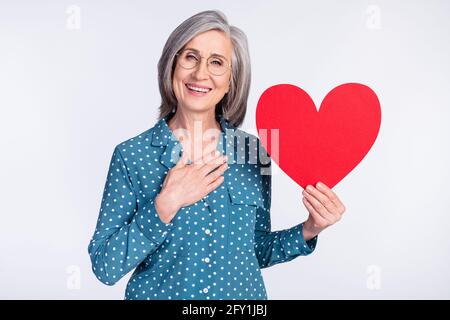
[322, 145]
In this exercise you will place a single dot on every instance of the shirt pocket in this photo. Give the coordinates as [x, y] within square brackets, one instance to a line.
[242, 217]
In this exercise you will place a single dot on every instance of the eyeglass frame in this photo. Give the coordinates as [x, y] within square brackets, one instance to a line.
[200, 61]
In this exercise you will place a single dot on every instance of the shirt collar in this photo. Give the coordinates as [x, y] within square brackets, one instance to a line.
[163, 137]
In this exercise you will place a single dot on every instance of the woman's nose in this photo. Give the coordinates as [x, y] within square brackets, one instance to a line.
[201, 70]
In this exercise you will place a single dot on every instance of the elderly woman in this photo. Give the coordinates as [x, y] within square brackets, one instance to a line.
[184, 204]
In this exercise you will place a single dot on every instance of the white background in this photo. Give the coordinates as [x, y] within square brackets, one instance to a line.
[68, 95]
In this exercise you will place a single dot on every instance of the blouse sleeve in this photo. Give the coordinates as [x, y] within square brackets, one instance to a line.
[126, 232]
[274, 247]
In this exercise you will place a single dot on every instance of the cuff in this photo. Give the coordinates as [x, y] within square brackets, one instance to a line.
[298, 243]
[149, 223]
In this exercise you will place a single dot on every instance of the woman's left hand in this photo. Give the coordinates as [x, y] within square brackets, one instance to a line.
[324, 207]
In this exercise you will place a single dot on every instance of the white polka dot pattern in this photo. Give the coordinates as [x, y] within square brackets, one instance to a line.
[212, 249]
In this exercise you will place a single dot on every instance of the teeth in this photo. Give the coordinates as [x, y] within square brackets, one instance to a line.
[197, 89]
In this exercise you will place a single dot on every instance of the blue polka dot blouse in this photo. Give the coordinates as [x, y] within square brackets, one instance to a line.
[212, 249]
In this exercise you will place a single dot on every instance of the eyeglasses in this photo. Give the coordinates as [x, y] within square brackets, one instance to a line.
[189, 59]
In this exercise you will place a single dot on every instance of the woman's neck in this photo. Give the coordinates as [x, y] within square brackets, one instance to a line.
[197, 132]
[193, 121]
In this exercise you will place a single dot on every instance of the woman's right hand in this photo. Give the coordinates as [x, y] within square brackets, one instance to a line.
[185, 183]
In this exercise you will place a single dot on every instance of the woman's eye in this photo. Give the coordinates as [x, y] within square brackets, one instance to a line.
[191, 56]
[217, 62]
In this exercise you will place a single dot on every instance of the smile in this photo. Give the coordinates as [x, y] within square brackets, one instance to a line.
[197, 90]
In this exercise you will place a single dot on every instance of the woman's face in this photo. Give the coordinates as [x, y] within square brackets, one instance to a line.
[207, 44]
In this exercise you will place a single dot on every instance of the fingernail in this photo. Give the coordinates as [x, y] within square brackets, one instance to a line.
[309, 188]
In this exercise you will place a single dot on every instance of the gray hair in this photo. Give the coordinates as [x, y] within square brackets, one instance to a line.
[233, 105]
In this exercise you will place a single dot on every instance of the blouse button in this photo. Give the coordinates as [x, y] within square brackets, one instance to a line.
[207, 231]
[207, 260]
[205, 290]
